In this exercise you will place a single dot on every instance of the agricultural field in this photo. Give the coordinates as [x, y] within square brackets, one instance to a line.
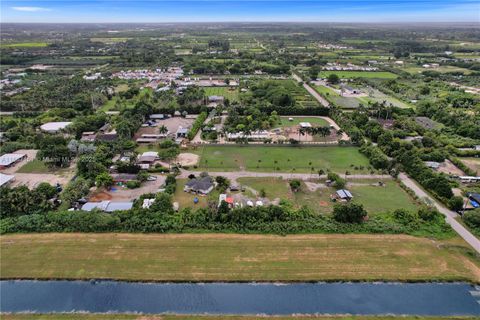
[230, 93]
[301, 96]
[441, 69]
[25, 45]
[206, 257]
[281, 159]
[359, 74]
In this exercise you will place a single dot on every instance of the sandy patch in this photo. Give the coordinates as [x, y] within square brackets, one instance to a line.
[187, 159]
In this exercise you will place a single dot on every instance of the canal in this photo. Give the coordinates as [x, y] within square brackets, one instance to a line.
[436, 299]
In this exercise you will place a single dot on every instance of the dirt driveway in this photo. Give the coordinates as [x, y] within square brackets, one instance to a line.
[118, 193]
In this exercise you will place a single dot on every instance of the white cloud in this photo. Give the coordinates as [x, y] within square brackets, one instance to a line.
[30, 9]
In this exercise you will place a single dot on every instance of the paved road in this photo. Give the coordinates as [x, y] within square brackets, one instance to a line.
[312, 91]
[449, 215]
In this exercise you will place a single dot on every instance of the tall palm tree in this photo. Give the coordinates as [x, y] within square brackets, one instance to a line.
[163, 129]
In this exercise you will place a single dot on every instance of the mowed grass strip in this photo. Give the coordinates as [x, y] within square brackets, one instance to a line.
[359, 74]
[226, 257]
[80, 316]
[281, 159]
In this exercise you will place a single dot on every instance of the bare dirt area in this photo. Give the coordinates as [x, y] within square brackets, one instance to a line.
[119, 193]
[31, 180]
[172, 125]
[472, 163]
[449, 168]
[188, 159]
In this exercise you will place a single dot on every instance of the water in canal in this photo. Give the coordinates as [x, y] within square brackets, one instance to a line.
[240, 298]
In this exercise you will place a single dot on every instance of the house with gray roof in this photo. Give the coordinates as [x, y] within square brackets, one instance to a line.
[202, 185]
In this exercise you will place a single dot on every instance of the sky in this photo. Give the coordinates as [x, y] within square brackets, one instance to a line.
[58, 11]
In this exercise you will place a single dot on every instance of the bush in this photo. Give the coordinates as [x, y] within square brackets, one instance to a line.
[455, 203]
[349, 212]
[428, 213]
[472, 218]
[133, 184]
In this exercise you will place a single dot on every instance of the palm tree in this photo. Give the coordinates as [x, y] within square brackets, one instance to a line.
[163, 129]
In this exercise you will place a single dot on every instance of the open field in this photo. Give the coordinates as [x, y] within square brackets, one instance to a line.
[227, 257]
[284, 159]
[227, 92]
[25, 45]
[359, 74]
[382, 198]
[79, 316]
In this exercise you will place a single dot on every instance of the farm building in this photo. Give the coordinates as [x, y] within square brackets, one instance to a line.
[54, 127]
[349, 90]
[181, 132]
[107, 206]
[432, 165]
[199, 185]
[9, 159]
[107, 137]
[6, 179]
[157, 116]
[88, 136]
[148, 157]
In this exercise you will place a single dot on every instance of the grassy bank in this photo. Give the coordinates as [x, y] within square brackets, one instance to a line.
[223, 257]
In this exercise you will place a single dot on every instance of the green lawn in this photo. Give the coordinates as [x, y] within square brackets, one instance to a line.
[25, 45]
[375, 199]
[334, 97]
[233, 257]
[38, 166]
[315, 121]
[284, 159]
[359, 74]
[381, 199]
[230, 93]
